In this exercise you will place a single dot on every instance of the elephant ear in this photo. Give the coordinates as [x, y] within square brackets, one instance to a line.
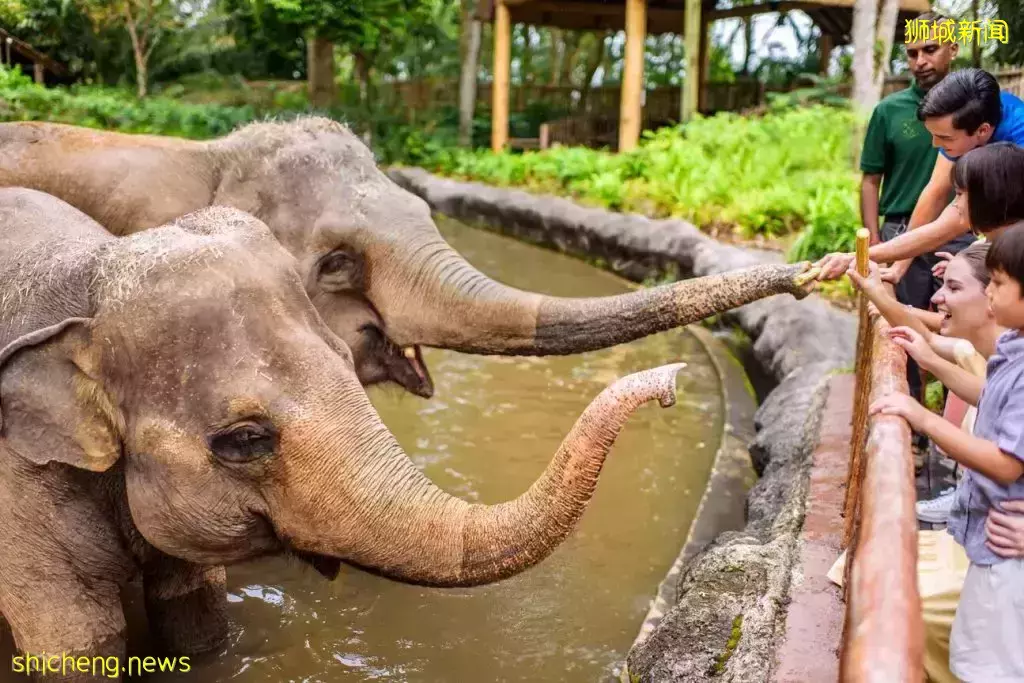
[51, 409]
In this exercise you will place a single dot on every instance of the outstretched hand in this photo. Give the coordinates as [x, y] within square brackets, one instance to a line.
[898, 403]
[833, 266]
[916, 346]
[873, 279]
[1004, 529]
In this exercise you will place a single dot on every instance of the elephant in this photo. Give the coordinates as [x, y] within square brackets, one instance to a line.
[370, 256]
[172, 402]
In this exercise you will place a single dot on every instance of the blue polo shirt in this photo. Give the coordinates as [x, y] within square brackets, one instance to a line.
[1011, 127]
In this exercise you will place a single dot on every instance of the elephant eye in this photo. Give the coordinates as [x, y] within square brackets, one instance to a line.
[244, 442]
[335, 262]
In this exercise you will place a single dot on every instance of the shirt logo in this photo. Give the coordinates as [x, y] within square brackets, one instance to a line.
[911, 129]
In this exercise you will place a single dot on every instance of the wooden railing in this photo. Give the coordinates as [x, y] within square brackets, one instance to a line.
[883, 638]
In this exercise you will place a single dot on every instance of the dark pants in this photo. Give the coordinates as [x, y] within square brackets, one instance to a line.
[918, 285]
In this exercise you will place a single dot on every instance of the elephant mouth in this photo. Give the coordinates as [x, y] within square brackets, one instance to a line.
[328, 567]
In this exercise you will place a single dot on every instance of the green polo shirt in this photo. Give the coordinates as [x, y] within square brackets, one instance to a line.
[899, 147]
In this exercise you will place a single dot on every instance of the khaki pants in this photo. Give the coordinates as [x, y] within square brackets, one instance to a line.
[941, 570]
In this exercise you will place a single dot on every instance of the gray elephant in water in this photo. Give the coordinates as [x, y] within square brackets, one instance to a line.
[172, 401]
[370, 256]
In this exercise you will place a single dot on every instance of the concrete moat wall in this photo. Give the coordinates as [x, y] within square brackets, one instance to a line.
[726, 607]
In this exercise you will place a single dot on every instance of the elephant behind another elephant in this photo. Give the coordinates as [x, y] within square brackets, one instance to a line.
[172, 401]
[369, 255]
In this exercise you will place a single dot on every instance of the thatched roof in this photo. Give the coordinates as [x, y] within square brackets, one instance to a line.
[834, 17]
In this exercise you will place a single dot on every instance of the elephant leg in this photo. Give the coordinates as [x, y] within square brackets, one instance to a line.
[65, 631]
[186, 605]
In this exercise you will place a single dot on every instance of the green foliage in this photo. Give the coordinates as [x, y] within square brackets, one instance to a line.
[769, 176]
[114, 109]
[935, 397]
[1012, 12]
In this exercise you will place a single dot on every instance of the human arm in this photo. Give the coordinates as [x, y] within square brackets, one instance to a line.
[870, 186]
[933, 223]
[980, 455]
[1004, 529]
[895, 313]
[964, 384]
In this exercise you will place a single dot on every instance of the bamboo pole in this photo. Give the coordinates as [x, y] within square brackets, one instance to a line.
[630, 108]
[862, 395]
[502, 69]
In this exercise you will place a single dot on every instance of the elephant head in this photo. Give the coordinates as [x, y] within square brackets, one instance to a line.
[370, 257]
[129, 183]
[189, 361]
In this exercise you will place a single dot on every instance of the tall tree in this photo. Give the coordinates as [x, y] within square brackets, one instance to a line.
[883, 42]
[146, 22]
[468, 73]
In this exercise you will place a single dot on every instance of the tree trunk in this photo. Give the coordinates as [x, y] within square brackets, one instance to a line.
[557, 55]
[468, 74]
[865, 19]
[748, 40]
[526, 57]
[865, 90]
[885, 35]
[139, 52]
[594, 60]
[320, 65]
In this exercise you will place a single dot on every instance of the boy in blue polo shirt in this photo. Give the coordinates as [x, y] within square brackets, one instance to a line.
[985, 644]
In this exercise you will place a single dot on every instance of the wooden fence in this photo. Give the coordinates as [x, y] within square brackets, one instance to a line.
[589, 116]
[883, 637]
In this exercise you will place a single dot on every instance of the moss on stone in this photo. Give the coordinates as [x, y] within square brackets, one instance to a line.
[730, 647]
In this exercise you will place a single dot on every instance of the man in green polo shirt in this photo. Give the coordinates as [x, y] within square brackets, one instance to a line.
[898, 158]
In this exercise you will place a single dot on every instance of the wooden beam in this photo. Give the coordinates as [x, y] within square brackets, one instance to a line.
[825, 45]
[692, 85]
[630, 105]
[502, 70]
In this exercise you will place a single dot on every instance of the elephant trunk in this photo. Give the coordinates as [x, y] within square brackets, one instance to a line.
[454, 306]
[406, 528]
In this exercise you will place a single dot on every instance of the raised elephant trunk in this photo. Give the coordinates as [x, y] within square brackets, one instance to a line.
[454, 306]
[407, 529]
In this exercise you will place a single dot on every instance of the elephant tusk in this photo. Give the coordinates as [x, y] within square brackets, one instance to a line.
[409, 352]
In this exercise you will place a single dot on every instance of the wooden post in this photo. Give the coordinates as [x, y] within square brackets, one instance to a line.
[630, 103]
[705, 66]
[691, 88]
[38, 73]
[825, 45]
[502, 69]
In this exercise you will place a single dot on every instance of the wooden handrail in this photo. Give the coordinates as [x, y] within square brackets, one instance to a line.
[883, 638]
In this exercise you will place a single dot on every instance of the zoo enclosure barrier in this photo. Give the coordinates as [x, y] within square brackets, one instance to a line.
[883, 635]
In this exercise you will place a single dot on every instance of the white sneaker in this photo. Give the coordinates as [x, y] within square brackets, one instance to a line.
[936, 510]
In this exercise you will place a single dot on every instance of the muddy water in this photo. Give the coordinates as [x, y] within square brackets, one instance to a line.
[488, 433]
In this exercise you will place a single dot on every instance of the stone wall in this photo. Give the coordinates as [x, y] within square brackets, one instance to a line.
[731, 596]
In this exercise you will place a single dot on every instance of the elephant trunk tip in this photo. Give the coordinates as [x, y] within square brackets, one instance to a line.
[659, 382]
